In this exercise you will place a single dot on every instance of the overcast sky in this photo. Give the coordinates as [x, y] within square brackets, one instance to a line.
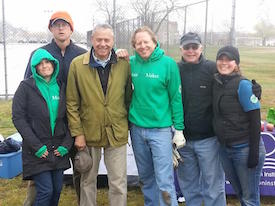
[34, 14]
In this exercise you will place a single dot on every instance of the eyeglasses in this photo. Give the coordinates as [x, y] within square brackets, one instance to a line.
[189, 46]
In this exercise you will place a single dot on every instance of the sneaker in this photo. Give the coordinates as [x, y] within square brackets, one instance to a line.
[181, 199]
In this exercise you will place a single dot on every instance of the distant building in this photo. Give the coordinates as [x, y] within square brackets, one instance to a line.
[248, 41]
[270, 42]
[173, 35]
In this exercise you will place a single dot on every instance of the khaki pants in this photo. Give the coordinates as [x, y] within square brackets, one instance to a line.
[115, 162]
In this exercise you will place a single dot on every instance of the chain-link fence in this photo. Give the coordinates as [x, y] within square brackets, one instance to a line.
[17, 43]
[168, 25]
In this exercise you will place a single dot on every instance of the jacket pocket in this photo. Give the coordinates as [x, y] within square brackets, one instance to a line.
[118, 131]
[92, 132]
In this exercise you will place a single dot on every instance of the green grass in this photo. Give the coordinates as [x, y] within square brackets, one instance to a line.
[6, 125]
[13, 192]
[256, 63]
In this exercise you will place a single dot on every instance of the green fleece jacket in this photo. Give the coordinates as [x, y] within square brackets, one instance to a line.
[156, 99]
[49, 90]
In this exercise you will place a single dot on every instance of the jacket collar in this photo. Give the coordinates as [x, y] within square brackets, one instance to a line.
[57, 47]
[89, 59]
[223, 79]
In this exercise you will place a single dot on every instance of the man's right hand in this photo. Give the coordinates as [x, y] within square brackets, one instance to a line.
[123, 54]
[179, 139]
[80, 142]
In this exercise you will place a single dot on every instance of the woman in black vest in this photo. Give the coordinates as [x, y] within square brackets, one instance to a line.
[237, 126]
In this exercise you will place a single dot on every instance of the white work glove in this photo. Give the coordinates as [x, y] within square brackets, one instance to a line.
[179, 139]
[176, 157]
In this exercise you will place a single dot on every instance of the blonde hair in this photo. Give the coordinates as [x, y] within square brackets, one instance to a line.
[143, 29]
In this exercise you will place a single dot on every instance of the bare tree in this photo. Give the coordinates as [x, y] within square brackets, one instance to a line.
[150, 11]
[265, 29]
[106, 7]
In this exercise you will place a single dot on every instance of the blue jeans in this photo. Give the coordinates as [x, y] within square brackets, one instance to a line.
[245, 181]
[201, 176]
[153, 154]
[48, 187]
[177, 187]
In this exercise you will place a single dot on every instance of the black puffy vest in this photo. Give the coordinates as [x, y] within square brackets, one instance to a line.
[230, 122]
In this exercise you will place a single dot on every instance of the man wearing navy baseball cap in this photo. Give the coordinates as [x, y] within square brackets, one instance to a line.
[190, 38]
[201, 176]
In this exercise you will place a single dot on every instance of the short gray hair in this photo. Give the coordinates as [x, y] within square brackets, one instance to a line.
[102, 26]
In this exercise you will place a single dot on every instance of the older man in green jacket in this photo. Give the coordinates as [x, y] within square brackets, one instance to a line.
[98, 96]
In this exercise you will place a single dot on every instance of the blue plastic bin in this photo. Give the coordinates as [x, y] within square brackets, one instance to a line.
[10, 164]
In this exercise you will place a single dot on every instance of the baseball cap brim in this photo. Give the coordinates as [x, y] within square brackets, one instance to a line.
[190, 41]
[229, 55]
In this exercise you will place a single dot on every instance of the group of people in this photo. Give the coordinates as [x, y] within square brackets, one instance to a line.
[75, 100]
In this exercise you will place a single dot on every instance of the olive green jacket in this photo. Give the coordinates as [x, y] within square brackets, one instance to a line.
[101, 119]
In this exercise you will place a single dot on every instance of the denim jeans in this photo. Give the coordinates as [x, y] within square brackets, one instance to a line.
[177, 187]
[245, 181]
[153, 154]
[48, 187]
[201, 176]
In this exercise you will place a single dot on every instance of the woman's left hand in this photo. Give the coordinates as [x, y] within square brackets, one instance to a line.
[56, 153]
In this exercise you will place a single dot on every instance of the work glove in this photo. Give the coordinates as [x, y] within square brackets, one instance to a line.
[256, 89]
[176, 157]
[178, 139]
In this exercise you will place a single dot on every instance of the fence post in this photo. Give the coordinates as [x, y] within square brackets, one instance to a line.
[185, 16]
[232, 40]
[205, 26]
[5, 52]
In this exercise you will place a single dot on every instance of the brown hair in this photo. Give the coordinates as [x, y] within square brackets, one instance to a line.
[238, 69]
[143, 29]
